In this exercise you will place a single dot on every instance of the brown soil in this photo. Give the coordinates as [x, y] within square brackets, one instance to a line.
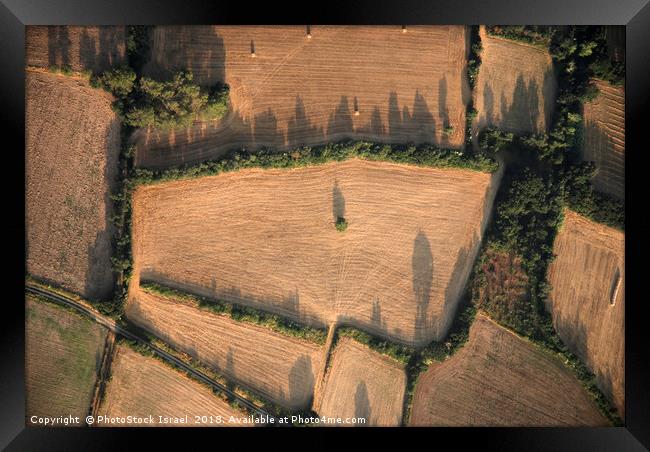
[516, 86]
[72, 144]
[142, 386]
[590, 262]
[362, 383]
[267, 238]
[63, 354]
[605, 138]
[500, 379]
[277, 366]
[96, 48]
[299, 91]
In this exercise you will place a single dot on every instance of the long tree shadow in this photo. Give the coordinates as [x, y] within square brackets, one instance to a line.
[301, 382]
[58, 45]
[443, 111]
[362, 403]
[422, 269]
[338, 201]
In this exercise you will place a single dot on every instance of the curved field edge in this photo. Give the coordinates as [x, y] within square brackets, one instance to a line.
[425, 156]
[483, 377]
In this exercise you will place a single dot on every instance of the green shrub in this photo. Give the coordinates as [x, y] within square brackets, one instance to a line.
[341, 224]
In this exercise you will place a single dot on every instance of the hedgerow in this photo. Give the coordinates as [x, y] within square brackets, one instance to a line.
[242, 313]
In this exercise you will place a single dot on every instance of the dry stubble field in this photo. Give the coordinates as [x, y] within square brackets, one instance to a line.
[363, 383]
[587, 274]
[90, 47]
[142, 386]
[500, 379]
[279, 367]
[299, 91]
[63, 353]
[72, 144]
[266, 238]
[516, 86]
[604, 141]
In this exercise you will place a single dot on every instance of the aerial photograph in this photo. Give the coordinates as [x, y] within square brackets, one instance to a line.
[325, 226]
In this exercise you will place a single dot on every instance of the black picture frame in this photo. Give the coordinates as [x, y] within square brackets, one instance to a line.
[635, 14]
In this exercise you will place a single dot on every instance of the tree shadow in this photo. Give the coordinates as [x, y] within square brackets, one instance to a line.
[287, 305]
[338, 202]
[443, 111]
[301, 382]
[523, 113]
[58, 44]
[299, 129]
[340, 120]
[362, 403]
[99, 279]
[198, 48]
[422, 269]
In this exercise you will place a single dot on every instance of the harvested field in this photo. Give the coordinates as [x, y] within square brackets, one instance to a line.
[364, 384]
[96, 48]
[63, 353]
[586, 277]
[406, 87]
[516, 86]
[142, 386]
[500, 379]
[604, 141]
[267, 239]
[279, 367]
[72, 144]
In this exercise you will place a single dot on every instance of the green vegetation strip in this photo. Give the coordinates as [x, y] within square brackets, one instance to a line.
[242, 313]
[546, 177]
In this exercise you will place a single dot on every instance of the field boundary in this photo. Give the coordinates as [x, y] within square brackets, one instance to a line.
[240, 313]
[104, 375]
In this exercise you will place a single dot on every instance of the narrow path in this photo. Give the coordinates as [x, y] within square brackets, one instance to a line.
[104, 372]
[318, 387]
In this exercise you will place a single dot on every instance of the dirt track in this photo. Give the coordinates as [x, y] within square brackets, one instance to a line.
[364, 384]
[299, 91]
[72, 144]
[500, 379]
[516, 86]
[590, 260]
[266, 238]
[279, 367]
[89, 47]
[141, 386]
[605, 138]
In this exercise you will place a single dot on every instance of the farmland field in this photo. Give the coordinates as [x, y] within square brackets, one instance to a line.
[299, 91]
[72, 143]
[516, 86]
[363, 383]
[500, 379]
[266, 238]
[143, 385]
[96, 48]
[586, 277]
[604, 141]
[281, 368]
[63, 353]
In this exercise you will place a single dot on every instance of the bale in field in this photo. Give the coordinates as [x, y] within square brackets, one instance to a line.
[301, 91]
